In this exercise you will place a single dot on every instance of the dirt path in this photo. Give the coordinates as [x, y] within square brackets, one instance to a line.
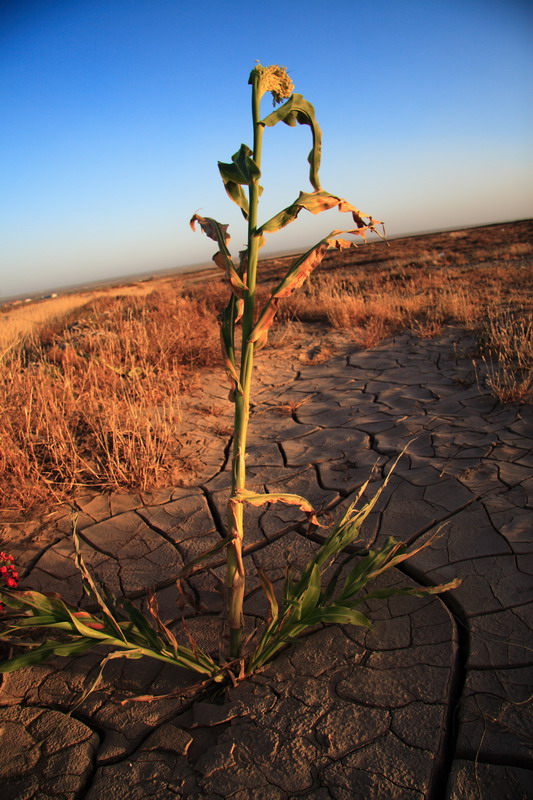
[432, 703]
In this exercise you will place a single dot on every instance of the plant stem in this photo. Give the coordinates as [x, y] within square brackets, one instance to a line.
[235, 580]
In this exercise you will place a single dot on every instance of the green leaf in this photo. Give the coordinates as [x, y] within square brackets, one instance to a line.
[227, 334]
[369, 566]
[146, 632]
[165, 632]
[75, 648]
[34, 656]
[338, 614]
[418, 591]
[298, 110]
[192, 565]
[91, 588]
[243, 171]
[289, 588]
[41, 604]
[270, 593]
[311, 594]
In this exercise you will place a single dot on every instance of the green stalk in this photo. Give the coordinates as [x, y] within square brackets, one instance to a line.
[235, 579]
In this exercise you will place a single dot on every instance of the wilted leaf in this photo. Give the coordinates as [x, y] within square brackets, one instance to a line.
[269, 591]
[311, 594]
[259, 334]
[315, 203]
[110, 657]
[258, 499]
[338, 614]
[164, 631]
[416, 591]
[92, 590]
[298, 110]
[35, 656]
[192, 565]
[222, 259]
[146, 632]
[227, 333]
[297, 274]
[243, 171]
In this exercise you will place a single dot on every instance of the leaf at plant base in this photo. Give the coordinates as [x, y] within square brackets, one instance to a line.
[419, 591]
[243, 171]
[75, 648]
[164, 631]
[311, 594]
[298, 110]
[35, 656]
[259, 499]
[92, 590]
[36, 601]
[222, 259]
[270, 593]
[111, 656]
[146, 632]
[338, 614]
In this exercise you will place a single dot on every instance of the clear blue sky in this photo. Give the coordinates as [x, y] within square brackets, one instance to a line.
[115, 112]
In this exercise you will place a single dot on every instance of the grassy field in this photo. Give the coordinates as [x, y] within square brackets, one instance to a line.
[91, 385]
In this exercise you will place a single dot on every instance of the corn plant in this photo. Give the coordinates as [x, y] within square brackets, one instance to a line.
[244, 170]
[305, 602]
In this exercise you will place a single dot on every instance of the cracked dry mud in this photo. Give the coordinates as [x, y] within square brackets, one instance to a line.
[433, 702]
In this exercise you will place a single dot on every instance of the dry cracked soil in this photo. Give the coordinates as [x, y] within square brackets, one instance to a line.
[433, 703]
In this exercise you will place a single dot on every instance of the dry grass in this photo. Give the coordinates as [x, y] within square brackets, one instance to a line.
[481, 279]
[92, 397]
[507, 353]
[21, 320]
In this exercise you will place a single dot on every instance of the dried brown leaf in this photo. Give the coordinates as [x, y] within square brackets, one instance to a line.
[259, 499]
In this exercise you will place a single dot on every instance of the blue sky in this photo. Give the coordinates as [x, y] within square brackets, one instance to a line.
[115, 112]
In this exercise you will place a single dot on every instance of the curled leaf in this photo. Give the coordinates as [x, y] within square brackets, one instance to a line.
[415, 591]
[164, 631]
[222, 258]
[297, 274]
[259, 499]
[298, 110]
[215, 230]
[229, 317]
[270, 593]
[315, 203]
[90, 586]
[243, 171]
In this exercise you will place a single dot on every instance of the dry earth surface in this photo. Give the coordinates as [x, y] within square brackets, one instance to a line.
[433, 703]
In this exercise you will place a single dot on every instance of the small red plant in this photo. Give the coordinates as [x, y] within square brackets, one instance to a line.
[9, 577]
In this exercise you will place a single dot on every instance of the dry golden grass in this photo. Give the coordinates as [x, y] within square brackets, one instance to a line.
[506, 344]
[21, 320]
[480, 278]
[93, 400]
[92, 397]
